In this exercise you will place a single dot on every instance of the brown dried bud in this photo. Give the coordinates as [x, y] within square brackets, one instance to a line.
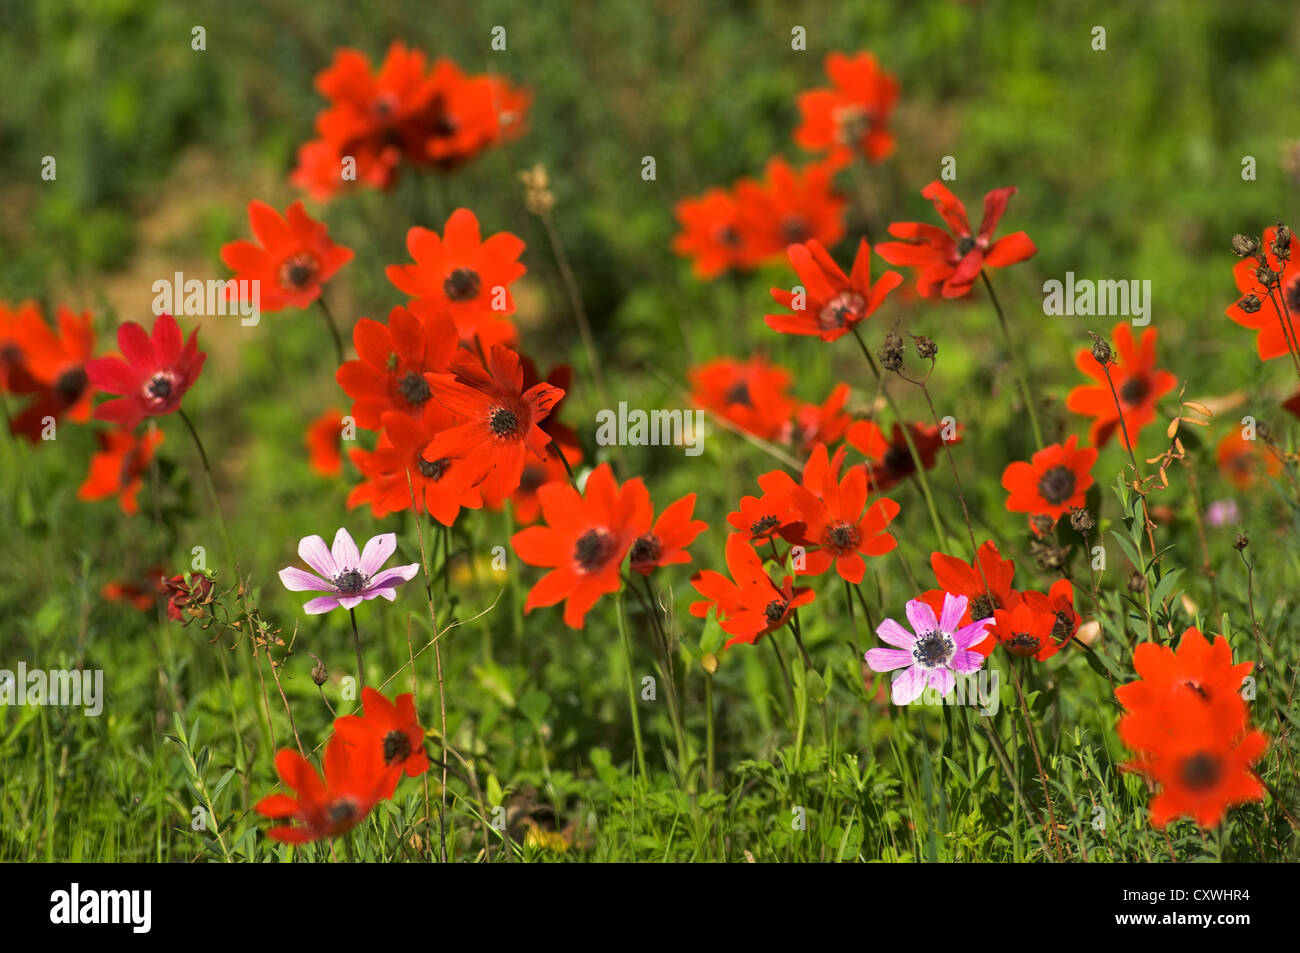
[1081, 521]
[1243, 246]
[1137, 583]
[1101, 352]
[1266, 276]
[318, 673]
[1241, 542]
[1281, 246]
[1043, 524]
[891, 352]
[1249, 304]
[926, 349]
[1047, 555]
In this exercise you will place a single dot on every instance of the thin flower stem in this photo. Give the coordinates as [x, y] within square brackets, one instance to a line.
[1283, 312]
[1021, 376]
[708, 731]
[573, 481]
[334, 330]
[356, 641]
[631, 688]
[907, 438]
[1038, 761]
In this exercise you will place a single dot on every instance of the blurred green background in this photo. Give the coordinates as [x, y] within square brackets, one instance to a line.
[1128, 163]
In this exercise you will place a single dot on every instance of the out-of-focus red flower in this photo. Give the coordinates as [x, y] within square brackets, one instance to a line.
[119, 466]
[710, 233]
[948, 262]
[156, 372]
[786, 207]
[53, 368]
[829, 304]
[12, 320]
[186, 598]
[889, 462]
[291, 260]
[821, 423]
[851, 118]
[583, 542]
[1136, 380]
[750, 394]
[141, 593]
[323, 436]
[1243, 462]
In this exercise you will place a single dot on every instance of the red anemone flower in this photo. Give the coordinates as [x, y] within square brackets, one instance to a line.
[1026, 629]
[396, 471]
[186, 598]
[156, 372]
[838, 520]
[986, 588]
[502, 418]
[788, 207]
[948, 262]
[751, 606]
[118, 468]
[1260, 311]
[852, 117]
[1243, 462]
[1136, 380]
[761, 519]
[53, 367]
[821, 423]
[392, 364]
[1054, 482]
[889, 462]
[583, 542]
[710, 233]
[831, 304]
[291, 260]
[751, 395]
[355, 780]
[1198, 667]
[665, 544]
[389, 729]
[524, 502]
[13, 321]
[460, 273]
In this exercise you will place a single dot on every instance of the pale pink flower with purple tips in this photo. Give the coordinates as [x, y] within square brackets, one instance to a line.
[939, 648]
[350, 577]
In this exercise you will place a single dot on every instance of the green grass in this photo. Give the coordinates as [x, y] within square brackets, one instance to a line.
[1128, 163]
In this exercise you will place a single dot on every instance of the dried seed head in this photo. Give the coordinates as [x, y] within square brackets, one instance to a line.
[1137, 582]
[1101, 352]
[1241, 542]
[1281, 246]
[926, 349]
[1243, 246]
[891, 352]
[1081, 521]
[1266, 276]
[318, 673]
[1043, 524]
[1249, 304]
[1047, 555]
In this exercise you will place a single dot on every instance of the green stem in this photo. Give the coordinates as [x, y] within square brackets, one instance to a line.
[631, 688]
[1021, 377]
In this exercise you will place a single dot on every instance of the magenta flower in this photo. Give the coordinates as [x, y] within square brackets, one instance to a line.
[931, 656]
[350, 577]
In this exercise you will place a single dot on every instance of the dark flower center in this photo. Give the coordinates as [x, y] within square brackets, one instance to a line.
[842, 536]
[160, 387]
[739, 394]
[761, 527]
[1022, 643]
[899, 460]
[503, 422]
[397, 747]
[844, 309]
[1063, 626]
[70, 384]
[983, 606]
[342, 811]
[727, 235]
[462, 284]
[1201, 771]
[965, 244]
[414, 389]
[1057, 485]
[1134, 390]
[773, 611]
[350, 582]
[593, 549]
[646, 549]
[794, 230]
[932, 649]
[1293, 297]
[432, 469]
[298, 271]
